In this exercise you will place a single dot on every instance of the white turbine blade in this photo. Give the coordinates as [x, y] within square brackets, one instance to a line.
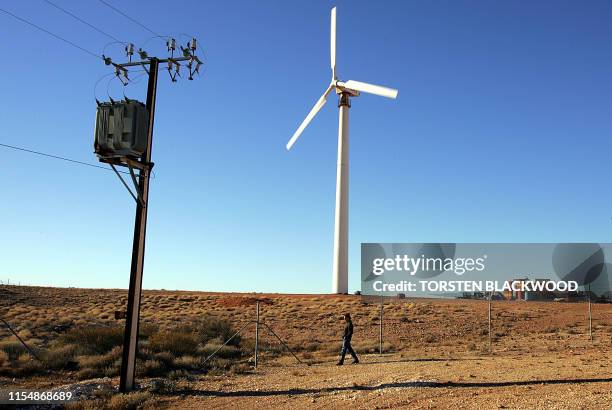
[371, 89]
[317, 107]
[332, 42]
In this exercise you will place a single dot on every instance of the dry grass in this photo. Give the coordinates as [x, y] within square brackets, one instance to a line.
[180, 329]
[129, 401]
[94, 350]
[94, 339]
[174, 342]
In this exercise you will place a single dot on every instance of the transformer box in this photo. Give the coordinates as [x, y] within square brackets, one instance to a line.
[121, 129]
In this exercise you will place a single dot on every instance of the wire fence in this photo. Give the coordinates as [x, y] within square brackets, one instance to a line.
[304, 329]
[439, 328]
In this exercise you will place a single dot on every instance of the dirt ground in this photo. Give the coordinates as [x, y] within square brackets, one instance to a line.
[437, 351]
[546, 381]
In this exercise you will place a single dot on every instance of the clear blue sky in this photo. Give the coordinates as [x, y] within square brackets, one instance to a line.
[502, 131]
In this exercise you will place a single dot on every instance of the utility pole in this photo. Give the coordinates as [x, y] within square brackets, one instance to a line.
[490, 338]
[144, 165]
[130, 342]
[380, 329]
[590, 316]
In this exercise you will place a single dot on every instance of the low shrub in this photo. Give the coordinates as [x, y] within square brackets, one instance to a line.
[89, 373]
[128, 401]
[307, 355]
[26, 365]
[145, 330]
[13, 349]
[177, 375]
[152, 368]
[112, 371]
[226, 352]
[166, 358]
[16, 361]
[311, 346]
[189, 362]
[94, 339]
[217, 366]
[101, 361]
[96, 351]
[84, 405]
[176, 342]
[241, 368]
[162, 386]
[209, 328]
[59, 357]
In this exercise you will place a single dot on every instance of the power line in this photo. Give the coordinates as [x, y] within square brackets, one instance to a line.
[50, 33]
[58, 157]
[128, 17]
[84, 22]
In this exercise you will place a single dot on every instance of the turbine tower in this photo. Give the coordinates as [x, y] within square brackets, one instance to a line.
[345, 90]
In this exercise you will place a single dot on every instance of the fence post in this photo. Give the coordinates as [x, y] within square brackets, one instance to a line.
[590, 316]
[257, 335]
[490, 297]
[380, 330]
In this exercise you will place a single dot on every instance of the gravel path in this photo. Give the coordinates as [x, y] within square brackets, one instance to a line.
[544, 381]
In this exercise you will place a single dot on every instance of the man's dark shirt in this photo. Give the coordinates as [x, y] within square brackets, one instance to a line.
[348, 331]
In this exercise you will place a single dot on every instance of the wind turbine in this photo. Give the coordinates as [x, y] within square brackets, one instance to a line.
[345, 90]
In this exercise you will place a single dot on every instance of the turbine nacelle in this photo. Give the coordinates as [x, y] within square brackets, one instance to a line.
[341, 88]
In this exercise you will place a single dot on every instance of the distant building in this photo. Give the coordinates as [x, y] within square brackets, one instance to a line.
[528, 294]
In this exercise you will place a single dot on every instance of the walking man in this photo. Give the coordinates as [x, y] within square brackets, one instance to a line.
[346, 341]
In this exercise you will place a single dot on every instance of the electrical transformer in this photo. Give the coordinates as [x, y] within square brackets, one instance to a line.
[121, 129]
